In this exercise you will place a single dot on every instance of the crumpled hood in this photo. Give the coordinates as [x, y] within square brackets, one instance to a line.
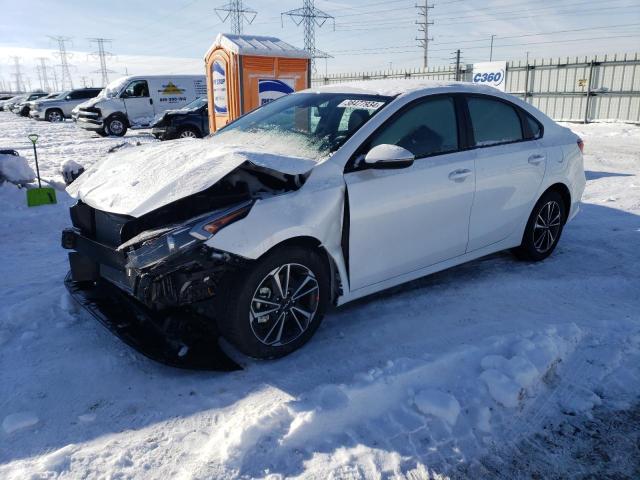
[139, 180]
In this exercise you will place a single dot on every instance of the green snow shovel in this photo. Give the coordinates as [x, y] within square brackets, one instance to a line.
[39, 196]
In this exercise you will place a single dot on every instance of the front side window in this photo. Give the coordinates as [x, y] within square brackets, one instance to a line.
[136, 89]
[493, 121]
[428, 128]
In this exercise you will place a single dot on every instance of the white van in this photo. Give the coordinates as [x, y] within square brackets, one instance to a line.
[133, 102]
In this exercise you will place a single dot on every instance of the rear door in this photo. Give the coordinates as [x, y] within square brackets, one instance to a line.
[406, 219]
[138, 103]
[510, 167]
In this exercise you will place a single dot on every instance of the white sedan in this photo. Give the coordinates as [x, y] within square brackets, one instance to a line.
[322, 197]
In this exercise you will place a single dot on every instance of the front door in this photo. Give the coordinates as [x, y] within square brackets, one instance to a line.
[138, 103]
[407, 219]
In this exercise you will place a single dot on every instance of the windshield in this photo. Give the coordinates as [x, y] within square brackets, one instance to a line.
[113, 89]
[197, 103]
[310, 125]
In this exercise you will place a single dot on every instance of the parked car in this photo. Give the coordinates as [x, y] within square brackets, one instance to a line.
[58, 108]
[134, 101]
[29, 105]
[322, 197]
[21, 107]
[191, 121]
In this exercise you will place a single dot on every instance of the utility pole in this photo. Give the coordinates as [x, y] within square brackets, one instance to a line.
[310, 17]
[237, 14]
[65, 81]
[423, 23]
[39, 74]
[84, 81]
[43, 74]
[17, 74]
[457, 60]
[491, 50]
[102, 55]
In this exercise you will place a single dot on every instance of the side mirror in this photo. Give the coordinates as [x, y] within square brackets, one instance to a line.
[389, 156]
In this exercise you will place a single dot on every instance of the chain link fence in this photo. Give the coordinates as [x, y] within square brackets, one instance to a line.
[578, 89]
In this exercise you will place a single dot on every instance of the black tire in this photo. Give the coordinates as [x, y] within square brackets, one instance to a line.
[102, 133]
[237, 320]
[544, 228]
[189, 132]
[116, 126]
[24, 112]
[54, 115]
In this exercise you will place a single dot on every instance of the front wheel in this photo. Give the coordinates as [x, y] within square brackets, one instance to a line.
[189, 132]
[277, 306]
[543, 228]
[116, 126]
[54, 116]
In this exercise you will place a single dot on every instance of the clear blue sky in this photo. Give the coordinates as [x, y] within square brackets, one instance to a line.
[369, 34]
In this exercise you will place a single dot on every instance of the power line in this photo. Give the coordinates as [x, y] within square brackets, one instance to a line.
[423, 26]
[237, 14]
[64, 61]
[102, 56]
[311, 17]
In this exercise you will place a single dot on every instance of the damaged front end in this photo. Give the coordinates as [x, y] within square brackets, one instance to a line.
[153, 280]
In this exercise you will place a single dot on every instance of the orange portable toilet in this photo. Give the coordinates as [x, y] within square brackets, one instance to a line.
[246, 71]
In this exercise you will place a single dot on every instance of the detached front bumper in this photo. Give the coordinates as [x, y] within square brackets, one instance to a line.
[178, 339]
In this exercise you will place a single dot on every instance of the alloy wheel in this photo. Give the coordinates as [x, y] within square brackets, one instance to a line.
[284, 305]
[55, 117]
[547, 226]
[188, 134]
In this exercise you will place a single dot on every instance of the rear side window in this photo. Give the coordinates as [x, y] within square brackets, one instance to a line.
[427, 128]
[535, 129]
[493, 121]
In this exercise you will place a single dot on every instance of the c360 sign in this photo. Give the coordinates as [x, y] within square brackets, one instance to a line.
[490, 73]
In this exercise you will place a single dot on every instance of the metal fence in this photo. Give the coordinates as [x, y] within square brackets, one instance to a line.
[570, 89]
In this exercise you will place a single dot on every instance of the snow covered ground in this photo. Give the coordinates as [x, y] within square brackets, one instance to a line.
[494, 369]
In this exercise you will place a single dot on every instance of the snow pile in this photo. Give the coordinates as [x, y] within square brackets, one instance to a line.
[15, 169]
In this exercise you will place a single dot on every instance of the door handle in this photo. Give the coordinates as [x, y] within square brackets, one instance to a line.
[151, 101]
[459, 175]
[536, 159]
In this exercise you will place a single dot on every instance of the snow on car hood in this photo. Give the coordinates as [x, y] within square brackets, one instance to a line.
[142, 179]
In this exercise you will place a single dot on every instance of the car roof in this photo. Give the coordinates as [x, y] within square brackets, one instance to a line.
[394, 87]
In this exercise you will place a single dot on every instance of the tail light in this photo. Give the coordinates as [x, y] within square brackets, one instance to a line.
[581, 145]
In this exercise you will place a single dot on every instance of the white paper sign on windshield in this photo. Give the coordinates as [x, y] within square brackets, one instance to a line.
[363, 104]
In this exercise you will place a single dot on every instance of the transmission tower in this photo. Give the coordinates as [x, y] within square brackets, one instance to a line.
[43, 74]
[311, 18]
[423, 23]
[64, 62]
[55, 80]
[17, 74]
[237, 14]
[102, 55]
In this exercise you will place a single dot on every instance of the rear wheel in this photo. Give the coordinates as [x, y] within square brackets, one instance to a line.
[54, 115]
[277, 306]
[543, 228]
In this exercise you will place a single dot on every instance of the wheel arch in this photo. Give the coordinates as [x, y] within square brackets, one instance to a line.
[51, 109]
[307, 241]
[564, 192]
[121, 115]
[189, 126]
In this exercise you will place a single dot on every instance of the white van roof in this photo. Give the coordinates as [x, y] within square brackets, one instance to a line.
[257, 45]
